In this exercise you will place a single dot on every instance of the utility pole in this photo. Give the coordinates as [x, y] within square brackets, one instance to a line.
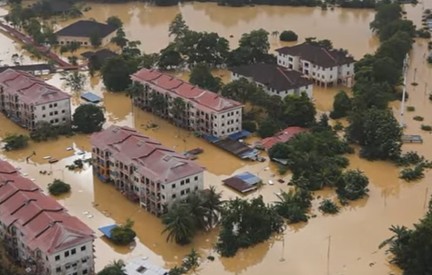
[405, 69]
[328, 255]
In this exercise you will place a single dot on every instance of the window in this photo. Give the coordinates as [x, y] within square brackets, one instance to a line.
[173, 186]
[64, 119]
[187, 180]
[43, 115]
[51, 113]
[66, 254]
[50, 106]
[196, 178]
[63, 111]
[55, 104]
[58, 269]
[57, 257]
[173, 196]
[43, 107]
[182, 192]
[85, 270]
[73, 251]
[182, 182]
[56, 112]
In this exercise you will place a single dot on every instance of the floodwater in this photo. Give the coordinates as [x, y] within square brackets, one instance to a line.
[346, 243]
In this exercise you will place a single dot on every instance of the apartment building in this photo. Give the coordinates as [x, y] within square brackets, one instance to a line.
[142, 167]
[205, 112]
[327, 67]
[274, 79]
[26, 100]
[37, 231]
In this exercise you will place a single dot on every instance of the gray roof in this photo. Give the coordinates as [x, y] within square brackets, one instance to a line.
[273, 76]
[318, 55]
[86, 28]
[141, 266]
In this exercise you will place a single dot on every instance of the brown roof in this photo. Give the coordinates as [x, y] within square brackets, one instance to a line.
[203, 99]
[318, 55]
[30, 89]
[45, 224]
[86, 28]
[282, 136]
[149, 156]
[273, 76]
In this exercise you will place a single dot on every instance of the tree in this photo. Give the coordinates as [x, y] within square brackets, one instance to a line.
[120, 38]
[213, 205]
[341, 105]
[180, 223]
[95, 39]
[58, 187]
[169, 58]
[178, 27]
[268, 128]
[114, 21]
[288, 36]
[123, 234]
[116, 74]
[257, 41]
[158, 104]
[377, 132]
[115, 268]
[88, 118]
[249, 125]
[293, 205]
[15, 142]
[299, 111]
[241, 90]
[75, 81]
[178, 110]
[149, 61]
[352, 185]
[44, 131]
[202, 77]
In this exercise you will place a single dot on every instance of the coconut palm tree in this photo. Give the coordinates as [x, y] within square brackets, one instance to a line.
[180, 223]
[178, 110]
[191, 261]
[158, 104]
[213, 205]
[196, 204]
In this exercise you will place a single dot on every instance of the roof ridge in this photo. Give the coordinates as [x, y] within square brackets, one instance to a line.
[328, 53]
[284, 75]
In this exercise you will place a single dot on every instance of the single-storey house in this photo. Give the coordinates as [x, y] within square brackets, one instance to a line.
[243, 183]
[325, 66]
[82, 31]
[282, 136]
[274, 79]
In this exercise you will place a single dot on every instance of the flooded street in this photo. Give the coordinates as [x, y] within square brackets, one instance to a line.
[346, 243]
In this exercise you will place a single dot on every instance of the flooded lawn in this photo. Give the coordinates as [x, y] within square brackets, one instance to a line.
[346, 243]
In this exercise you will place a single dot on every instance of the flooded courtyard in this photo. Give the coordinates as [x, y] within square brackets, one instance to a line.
[346, 243]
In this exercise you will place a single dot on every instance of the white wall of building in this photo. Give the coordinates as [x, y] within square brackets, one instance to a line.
[74, 260]
[56, 113]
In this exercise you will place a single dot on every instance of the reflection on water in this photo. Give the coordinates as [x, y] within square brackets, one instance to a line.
[352, 237]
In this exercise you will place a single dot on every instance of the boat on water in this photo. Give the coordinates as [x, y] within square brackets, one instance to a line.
[52, 160]
[47, 157]
[195, 151]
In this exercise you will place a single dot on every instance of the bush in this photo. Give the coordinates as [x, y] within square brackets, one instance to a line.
[418, 118]
[426, 127]
[123, 234]
[288, 36]
[352, 185]
[15, 142]
[412, 174]
[328, 207]
[423, 33]
[410, 109]
[58, 187]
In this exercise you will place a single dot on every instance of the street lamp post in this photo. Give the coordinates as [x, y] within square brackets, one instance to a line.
[405, 69]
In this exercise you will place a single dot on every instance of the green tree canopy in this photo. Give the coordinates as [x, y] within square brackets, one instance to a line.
[341, 105]
[116, 73]
[114, 21]
[58, 187]
[202, 77]
[88, 118]
[169, 58]
[288, 36]
[15, 142]
[299, 111]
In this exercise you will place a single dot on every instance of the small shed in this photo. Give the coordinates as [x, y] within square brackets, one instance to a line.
[106, 230]
[91, 97]
[243, 183]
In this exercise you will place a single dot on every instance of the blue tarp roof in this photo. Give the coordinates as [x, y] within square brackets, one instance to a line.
[248, 178]
[239, 135]
[91, 97]
[106, 230]
[210, 138]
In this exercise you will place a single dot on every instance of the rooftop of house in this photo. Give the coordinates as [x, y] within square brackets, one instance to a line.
[44, 223]
[273, 76]
[282, 136]
[101, 55]
[318, 55]
[202, 99]
[29, 88]
[54, 6]
[142, 266]
[149, 156]
[86, 28]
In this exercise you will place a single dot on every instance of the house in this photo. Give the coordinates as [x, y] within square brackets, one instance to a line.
[82, 32]
[243, 183]
[282, 136]
[38, 232]
[325, 66]
[142, 167]
[274, 79]
[142, 266]
[204, 111]
[26, 100]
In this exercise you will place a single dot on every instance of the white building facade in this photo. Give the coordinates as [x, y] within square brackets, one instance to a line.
[143, 169]
[205, 112]
[325, 66]
[26, 100]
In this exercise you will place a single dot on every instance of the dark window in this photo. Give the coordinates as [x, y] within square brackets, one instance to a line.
[173, 196]
[196, 177]
[85, 270]
[58, 269]
[57, 257]
[187, 180]
[73, 251]
[66, 254]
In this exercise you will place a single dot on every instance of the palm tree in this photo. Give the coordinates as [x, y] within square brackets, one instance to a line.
[158, 104]
[293, 205]
[135, 89]
[196, 204]
[114, 268]
[178, 110]
[191, 261]
[180, 223]
[213, 204]
[176, 271]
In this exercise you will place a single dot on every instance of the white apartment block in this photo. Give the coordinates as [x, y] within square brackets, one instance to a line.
[26, 100]
[37, 231]
[143, 169]
[326, 67]
[274, 79]
[206, 112]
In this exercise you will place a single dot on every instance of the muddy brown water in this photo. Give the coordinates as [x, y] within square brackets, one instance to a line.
[346, 243]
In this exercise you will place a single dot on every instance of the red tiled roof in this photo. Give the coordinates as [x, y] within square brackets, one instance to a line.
[282, 136]
[151, 158]
[203, 99]
[30, 89]
[45, 224]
